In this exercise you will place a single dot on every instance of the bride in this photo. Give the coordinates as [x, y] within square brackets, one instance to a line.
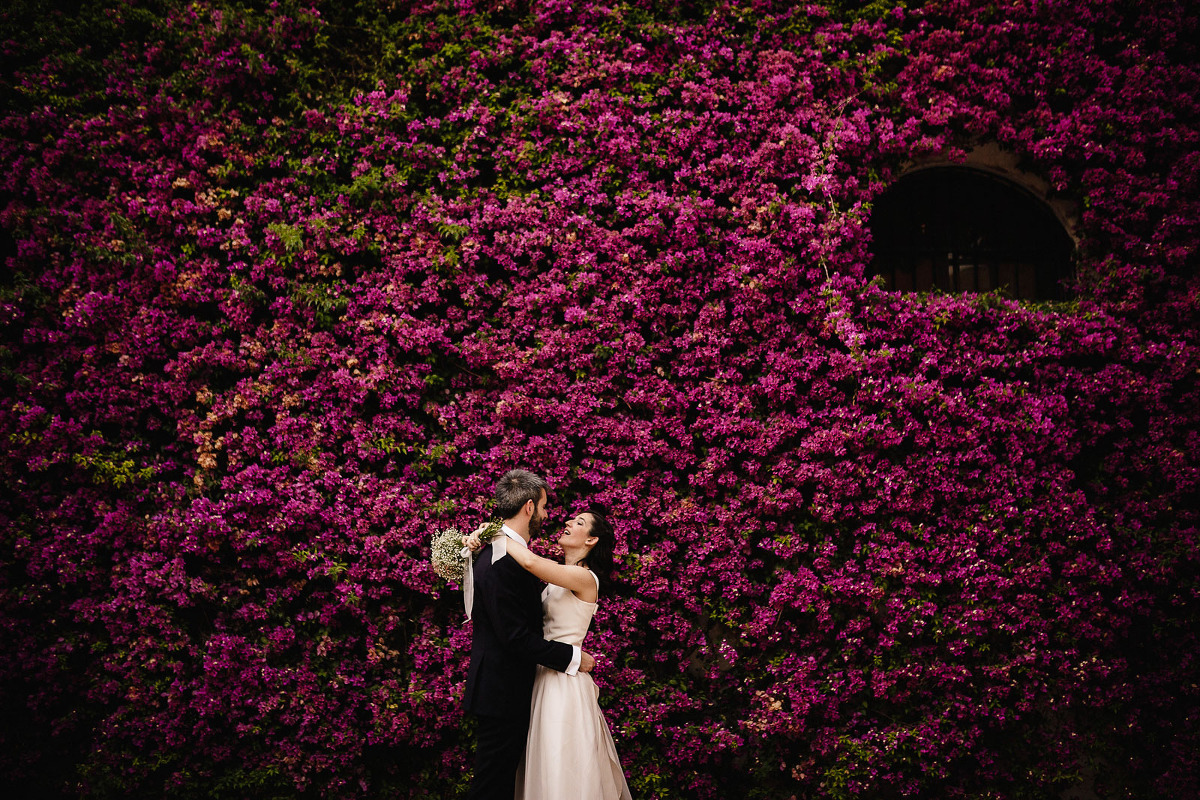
[570, 750]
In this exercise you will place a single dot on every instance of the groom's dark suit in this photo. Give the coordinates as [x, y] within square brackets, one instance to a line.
[506, 647]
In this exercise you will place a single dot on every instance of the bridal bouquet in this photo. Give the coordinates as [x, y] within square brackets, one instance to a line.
[448, 556]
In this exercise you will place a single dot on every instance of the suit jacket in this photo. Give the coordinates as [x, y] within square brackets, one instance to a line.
[507, 643]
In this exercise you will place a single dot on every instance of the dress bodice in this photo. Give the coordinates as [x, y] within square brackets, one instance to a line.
[565, 618]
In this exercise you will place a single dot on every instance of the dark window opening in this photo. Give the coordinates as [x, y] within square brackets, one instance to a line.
[961, 230]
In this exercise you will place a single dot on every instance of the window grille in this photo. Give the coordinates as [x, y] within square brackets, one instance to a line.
[962, 230]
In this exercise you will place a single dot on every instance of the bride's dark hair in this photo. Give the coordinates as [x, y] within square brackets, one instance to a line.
[600, 558]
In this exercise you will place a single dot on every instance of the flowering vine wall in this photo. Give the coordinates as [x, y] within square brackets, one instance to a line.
[287, 286]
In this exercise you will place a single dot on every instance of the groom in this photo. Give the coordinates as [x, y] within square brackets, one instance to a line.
[507, 643]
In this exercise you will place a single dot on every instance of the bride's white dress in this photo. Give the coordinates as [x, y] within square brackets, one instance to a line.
[570, 751]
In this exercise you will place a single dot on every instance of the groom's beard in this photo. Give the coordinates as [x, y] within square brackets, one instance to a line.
[535, 527]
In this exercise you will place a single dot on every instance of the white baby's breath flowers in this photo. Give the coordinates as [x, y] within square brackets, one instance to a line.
[448, 556]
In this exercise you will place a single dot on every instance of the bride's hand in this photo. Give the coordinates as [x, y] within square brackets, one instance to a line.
[472, 540]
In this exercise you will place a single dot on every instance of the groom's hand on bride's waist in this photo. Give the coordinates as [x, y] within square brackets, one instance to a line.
[586, 661]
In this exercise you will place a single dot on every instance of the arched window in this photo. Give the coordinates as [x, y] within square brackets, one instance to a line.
[964, 230]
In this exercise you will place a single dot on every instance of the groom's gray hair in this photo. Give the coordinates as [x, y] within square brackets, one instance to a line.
[516, 488]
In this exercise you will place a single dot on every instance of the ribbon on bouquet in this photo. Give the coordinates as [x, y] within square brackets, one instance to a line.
[499, 550]
[468, 580]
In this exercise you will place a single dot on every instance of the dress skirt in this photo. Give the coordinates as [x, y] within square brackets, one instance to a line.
[570, 751]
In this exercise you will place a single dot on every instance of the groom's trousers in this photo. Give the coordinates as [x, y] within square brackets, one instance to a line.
[499, 749]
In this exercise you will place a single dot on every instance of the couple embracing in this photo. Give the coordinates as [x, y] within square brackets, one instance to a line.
[541, 733]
